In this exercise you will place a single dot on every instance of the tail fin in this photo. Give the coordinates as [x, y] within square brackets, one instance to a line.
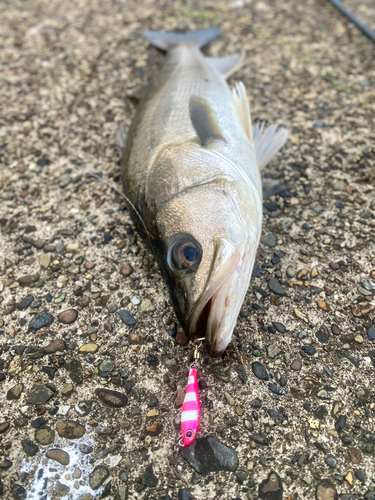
[164, 40]
[268, 142]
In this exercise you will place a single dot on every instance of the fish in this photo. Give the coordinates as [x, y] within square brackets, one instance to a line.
[191, 409]
[191, 167]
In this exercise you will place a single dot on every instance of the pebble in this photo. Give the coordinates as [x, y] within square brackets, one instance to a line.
[112, 398]
[260, 439]
[270, 240]
[25, 303]
[349, 478]
[70, 429]
[273, 351]
[296, 365]
[19, 492]
[271, 488]
[322, 304]
[41, 320]
[291, 272]
[59, 455]
[57, 345]
[362, 309]
[45, 436]
[30, 448]
[85, 449]
[279, 327]
[275, 287]
[371, 333]
[126, 269]
[127, 318]
[15, 392]
[98, 476]
[4, 427]
[149, 480]
[273, 388]
[185, 494]
[355, 455]
[331, 462]
[39, 396]
[28, 280]
[259, 371]
[45, 260]
[146, 306]
[300, 315]
[68, 317]
[89, 348]
[325, 490]
[208, 454]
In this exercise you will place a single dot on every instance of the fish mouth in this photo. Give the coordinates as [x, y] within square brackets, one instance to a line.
[212, 316]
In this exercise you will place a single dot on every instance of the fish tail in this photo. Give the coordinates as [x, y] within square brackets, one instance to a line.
[165, 40]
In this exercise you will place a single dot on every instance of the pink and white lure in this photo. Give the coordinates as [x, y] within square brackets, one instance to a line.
[191, 409]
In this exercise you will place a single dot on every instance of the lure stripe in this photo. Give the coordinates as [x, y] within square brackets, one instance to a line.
[190, 415]
[190, 396]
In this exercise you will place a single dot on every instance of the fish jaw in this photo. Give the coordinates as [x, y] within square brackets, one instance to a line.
[215, 314]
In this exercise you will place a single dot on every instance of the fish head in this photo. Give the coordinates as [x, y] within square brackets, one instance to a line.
[210, 228]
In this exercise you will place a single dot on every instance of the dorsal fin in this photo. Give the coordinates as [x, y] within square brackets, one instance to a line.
[243, 108]
[204, 120]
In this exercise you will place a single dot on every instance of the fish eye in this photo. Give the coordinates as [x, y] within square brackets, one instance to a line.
[185, 253]
[189, 434]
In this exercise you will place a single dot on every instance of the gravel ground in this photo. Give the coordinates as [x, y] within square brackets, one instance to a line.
[83, 309]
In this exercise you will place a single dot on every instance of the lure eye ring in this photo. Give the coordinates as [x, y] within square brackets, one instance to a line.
[185, 254]
[189, 434]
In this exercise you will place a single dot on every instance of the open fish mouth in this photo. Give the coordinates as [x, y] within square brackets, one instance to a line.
[212, 316]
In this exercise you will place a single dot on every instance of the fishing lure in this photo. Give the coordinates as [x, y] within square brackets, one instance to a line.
[191, 408]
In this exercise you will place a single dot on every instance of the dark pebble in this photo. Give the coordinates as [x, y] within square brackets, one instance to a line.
[153, 402]
[149, 480]
[276, 288]
[50, 371]
[279, 327]
[38, 422]
[6, 464]
[152, 360]
[241, 477]
[310, 351]
[273, 388]
[328, 371]
[321, 412]
[260, 439]
[208, 454]
[352, 359]
[331, 462]
[127, 318]
[25, 303]
[242, 375]
[335, 329]
[30, 448]
[39, 396]
[323, 335]
[41, 320]
[85, 449]
[340, 423]
[19, 492]
[15, 392]
[28, 280]
[259, 371]
[360, 475]
[257, 271]
[371, 333]
[184, 494]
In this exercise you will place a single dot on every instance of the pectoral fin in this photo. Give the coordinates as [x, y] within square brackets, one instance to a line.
[204, 121]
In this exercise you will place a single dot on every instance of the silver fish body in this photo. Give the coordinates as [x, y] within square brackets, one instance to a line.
[193, 182]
